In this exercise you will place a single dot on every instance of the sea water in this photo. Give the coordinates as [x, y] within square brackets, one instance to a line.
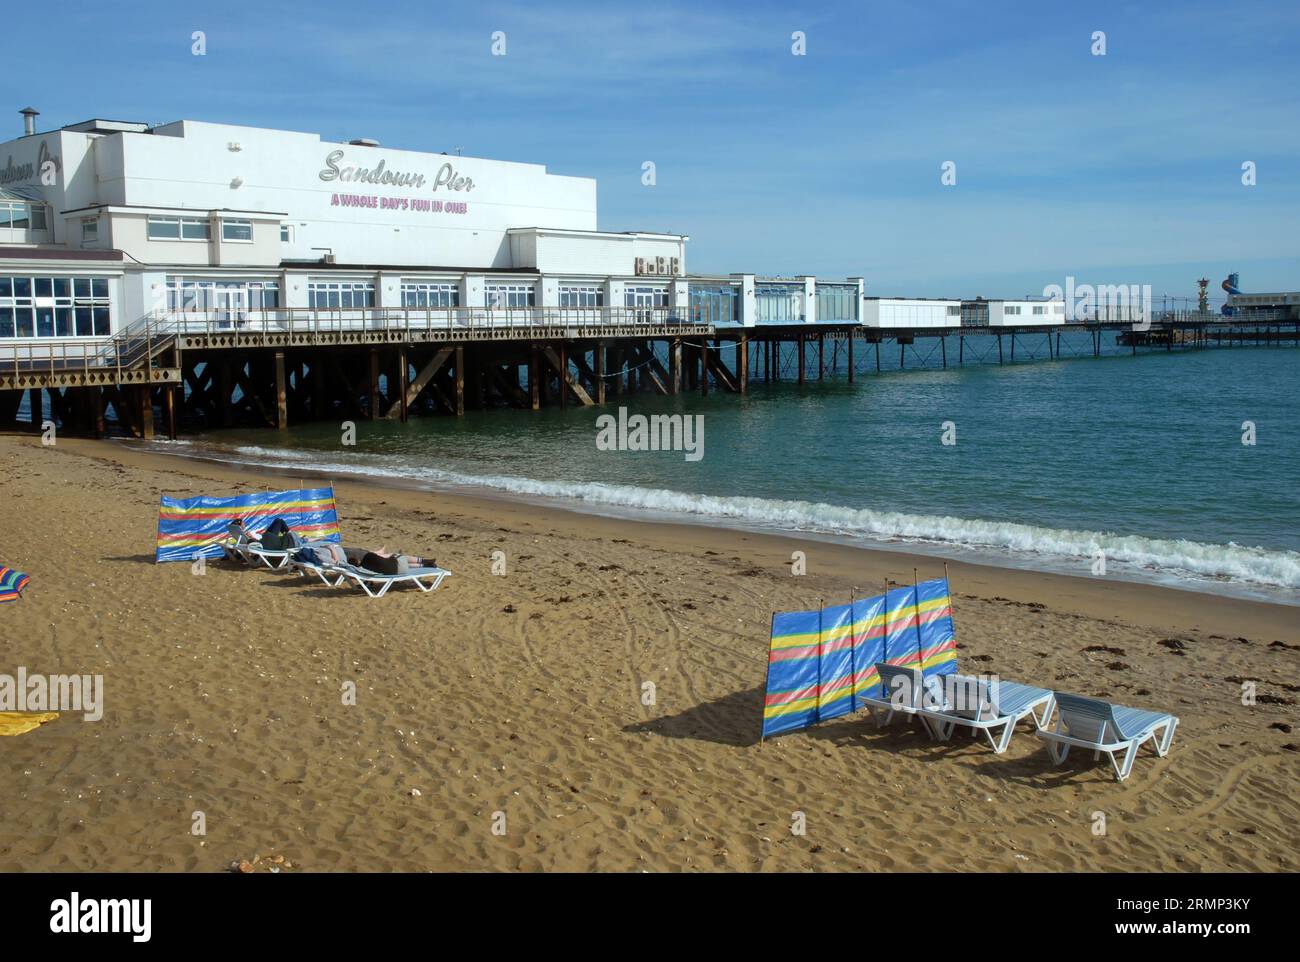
[1176, 467]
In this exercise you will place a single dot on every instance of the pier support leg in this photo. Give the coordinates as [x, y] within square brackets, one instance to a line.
[943, 349]
[374, 383]
[282, 394]
[1013, 347]
[878, 343]
[97, 400]
[145, 400]
[403, 381]
[704, 368]
[801, 359]
[821, 357]
[776, 360]
[37, 405]
[169, 405]
[226, 387]
[564, 375]
[961, 350]
[999, 347]
[598, 359]
[460, 380]
[742, 363]
[850, 357]
[534, 379]
[317, 385]
[675, 365]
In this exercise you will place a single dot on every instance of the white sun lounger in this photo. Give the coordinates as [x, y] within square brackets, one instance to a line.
[271, 558]
[367, 578]
[242, 548]
[981, 706]
[237, 548]
[1103, 727]
[905, 694]
[326, 573]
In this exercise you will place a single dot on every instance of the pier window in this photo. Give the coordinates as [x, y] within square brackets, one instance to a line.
[1012, 309]
[715, 305]
[240, 231]
[198, 294]
[179, 228]
[837, 302]
[21, 215]
[582, 297]
[500, 296]
[645, 296]
[430, 294]
[954, 310]
[1038, 308]
[164, 228]
[328, 295]
[54, 307]
[975, 314]
[89, 231]
[778, 303]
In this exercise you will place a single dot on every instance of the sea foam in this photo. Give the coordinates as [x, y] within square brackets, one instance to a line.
[1170, 559]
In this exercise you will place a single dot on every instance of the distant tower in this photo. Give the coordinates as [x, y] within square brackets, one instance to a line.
[1203, 299]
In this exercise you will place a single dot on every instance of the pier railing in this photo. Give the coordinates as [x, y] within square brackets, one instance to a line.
[134, 355]
[147, 351]
[253, 324]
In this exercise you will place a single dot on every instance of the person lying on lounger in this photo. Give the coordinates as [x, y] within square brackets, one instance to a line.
[385, 562]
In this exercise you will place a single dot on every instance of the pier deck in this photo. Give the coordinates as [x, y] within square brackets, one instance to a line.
[268, 367]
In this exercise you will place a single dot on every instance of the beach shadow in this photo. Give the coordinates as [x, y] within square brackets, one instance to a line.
[143, 559]
[1036, 770]
[857, 730]
[733, 720]
[304, 587]
[225, 564]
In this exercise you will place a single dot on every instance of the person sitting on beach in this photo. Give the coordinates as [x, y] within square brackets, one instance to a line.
[239, 538]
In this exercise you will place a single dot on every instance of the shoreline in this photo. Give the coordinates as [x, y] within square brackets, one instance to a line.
[603, 695]
[1182, 608]
[935, 550]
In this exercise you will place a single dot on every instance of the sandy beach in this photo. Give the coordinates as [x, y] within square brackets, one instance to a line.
[522, 694]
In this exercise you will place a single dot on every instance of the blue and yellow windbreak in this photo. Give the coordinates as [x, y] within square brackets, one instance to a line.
[821, 661]
[190, 528]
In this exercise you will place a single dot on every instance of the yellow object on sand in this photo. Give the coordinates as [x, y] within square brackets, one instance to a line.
[20, 722]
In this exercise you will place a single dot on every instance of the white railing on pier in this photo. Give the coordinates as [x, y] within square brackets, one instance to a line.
[450, 321]
[134, 348]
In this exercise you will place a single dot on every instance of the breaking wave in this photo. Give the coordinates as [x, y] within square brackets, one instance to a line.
[1031, 545]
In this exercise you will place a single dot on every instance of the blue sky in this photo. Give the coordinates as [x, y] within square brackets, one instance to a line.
[1123, 168]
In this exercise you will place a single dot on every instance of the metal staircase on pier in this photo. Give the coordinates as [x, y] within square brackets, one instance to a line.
[143, 353]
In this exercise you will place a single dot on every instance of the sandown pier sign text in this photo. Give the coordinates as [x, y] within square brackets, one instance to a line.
[335, 170]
